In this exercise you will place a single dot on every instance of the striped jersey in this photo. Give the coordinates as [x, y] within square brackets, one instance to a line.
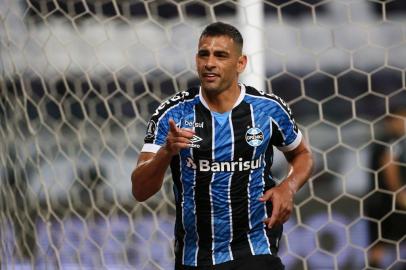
[218, 181]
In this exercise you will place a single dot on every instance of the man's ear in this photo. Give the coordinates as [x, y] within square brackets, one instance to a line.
[242, 63]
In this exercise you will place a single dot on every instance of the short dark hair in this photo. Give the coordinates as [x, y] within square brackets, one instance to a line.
[223, 29]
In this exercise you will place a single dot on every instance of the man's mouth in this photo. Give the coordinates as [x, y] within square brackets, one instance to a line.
[210, 76]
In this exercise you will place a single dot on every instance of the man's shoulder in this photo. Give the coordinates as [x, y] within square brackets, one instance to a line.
[174, 102]
[262, 96]
[188, 94]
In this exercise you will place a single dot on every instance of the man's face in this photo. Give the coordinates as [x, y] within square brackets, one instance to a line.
[218, 62]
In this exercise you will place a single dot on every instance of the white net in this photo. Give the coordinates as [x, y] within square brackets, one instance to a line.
[80, 78]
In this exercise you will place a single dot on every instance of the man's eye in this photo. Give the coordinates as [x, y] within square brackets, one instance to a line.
[221, 55]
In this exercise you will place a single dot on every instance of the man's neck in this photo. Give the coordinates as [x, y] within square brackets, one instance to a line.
[223, 101]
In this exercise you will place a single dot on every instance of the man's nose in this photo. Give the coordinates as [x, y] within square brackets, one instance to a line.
[211, 63]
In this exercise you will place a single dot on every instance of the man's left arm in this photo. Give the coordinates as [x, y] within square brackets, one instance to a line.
[281, 196]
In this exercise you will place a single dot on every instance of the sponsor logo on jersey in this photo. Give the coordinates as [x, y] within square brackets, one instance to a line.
[194, 140]
[204, 165]
[254, 136]
[194, 124]
[190, 163]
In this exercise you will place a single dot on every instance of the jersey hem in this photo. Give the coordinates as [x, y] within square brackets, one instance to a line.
[223, 261]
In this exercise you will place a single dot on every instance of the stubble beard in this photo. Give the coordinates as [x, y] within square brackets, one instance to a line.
[214, 88]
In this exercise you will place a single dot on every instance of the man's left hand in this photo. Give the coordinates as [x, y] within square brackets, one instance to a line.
[282, 204]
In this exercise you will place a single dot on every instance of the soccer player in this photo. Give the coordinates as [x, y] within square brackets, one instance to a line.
[391, 177]
[218, 140]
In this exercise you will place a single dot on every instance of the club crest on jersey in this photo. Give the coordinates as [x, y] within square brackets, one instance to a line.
[254, 137]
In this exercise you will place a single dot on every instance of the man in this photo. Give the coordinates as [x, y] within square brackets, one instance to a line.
[390, 163]
[218, 140]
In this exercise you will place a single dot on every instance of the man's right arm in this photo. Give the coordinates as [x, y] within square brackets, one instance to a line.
[148, 175]
[147, 178]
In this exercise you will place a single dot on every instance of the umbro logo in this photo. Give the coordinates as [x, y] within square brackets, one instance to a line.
[195, 139]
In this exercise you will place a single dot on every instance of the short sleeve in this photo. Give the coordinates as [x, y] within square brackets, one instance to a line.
[157, 131]
[285, 134]
[158, 125]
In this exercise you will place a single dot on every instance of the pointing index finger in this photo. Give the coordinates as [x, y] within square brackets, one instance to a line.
[172, 126]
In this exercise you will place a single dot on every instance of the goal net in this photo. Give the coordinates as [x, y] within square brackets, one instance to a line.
[79, 80]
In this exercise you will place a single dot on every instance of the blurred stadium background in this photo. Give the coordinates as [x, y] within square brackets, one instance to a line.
[80, 78]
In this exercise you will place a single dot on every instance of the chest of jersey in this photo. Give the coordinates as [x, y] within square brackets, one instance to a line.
[235, 144]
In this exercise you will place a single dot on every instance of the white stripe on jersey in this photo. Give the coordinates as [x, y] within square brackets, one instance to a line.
[229, 186]
[248, 186]
[213, 155]
[276, 123]
[271, 99]
[194, 210]
[194, 196]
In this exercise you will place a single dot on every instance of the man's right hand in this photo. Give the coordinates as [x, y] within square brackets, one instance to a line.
[177, 139]
[147, 177]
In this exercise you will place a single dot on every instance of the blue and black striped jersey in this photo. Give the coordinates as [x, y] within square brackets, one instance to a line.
[219, 179]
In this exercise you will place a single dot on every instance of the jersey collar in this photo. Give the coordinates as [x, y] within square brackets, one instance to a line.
[239, 99]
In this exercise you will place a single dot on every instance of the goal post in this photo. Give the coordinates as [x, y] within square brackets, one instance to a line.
[80, 79]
